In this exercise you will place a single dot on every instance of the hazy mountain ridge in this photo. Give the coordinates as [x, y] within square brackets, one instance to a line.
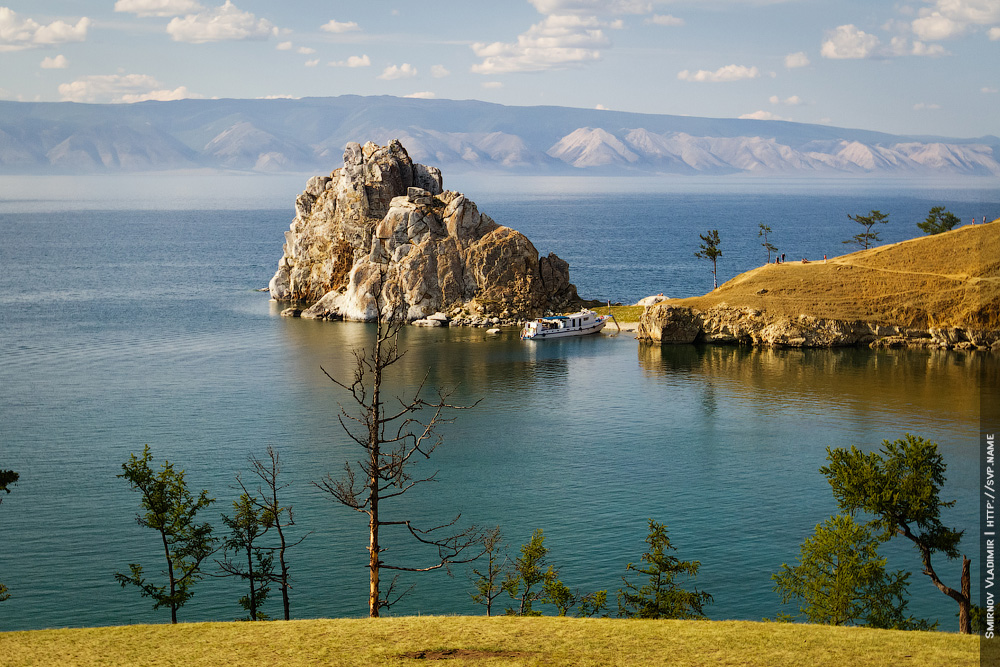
[310, 135]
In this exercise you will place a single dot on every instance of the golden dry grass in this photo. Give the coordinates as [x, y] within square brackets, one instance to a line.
[456, 640]
[950, 279]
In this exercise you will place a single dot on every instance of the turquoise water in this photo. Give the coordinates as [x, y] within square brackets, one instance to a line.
[123, 325]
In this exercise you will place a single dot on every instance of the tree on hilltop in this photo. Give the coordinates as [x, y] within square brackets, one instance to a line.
[938, 221]
[710, 250]
[661, 596]
[392, 438]
[900, 486]
[767, 245]
[868, 238]
[171, 510]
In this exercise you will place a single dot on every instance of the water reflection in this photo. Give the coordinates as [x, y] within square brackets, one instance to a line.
[918, 385]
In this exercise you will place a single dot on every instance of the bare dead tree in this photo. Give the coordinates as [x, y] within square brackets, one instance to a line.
[273, 515]
[393, 436]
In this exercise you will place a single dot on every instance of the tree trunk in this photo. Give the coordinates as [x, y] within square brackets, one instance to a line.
[964, 605]
[373, 550]
[253, 597]
[170, 576]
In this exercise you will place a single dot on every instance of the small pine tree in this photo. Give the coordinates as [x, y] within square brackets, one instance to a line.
[244, 558]
[938, 221]
[868, 238]
[662, 596]
[531, 577]
[490, 584]
[710, 250]
[767, 245]
[171, 510]
[840, 579]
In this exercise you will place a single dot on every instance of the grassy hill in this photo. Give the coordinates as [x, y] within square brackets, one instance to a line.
[946, 280]
[485, 641]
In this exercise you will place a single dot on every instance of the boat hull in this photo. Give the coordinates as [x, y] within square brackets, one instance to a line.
[565, 333]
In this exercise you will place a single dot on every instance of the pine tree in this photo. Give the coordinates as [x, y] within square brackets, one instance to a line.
[900, 486]
[938, 221]
[171, 510]
[840, 579]
[868, 238]
[662, 596]
[710, 250]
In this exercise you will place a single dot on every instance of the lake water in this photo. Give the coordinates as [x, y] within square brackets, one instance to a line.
[128, 316]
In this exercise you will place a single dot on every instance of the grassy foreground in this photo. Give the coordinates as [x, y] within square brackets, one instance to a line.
[481, 641]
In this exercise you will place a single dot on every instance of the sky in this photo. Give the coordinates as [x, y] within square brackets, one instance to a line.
[907, 67]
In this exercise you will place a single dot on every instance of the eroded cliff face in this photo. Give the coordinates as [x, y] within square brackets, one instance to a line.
[381, 231]
[673, 324]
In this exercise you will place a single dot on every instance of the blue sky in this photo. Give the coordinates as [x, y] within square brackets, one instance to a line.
[913, 66]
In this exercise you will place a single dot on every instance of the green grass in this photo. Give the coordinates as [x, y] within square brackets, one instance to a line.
[624, 313]
[457, 640]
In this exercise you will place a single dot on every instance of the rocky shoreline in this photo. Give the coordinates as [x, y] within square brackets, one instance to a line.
[665, 323]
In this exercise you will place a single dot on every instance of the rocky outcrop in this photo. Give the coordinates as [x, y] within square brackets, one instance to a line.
[674, 324]
[380, 232]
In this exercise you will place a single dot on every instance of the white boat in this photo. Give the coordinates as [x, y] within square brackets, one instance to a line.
[560, 326]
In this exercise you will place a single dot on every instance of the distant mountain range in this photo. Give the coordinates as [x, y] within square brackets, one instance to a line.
[310, 134]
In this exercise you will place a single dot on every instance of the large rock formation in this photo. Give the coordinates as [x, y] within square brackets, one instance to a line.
[939, 291]
[381, 232]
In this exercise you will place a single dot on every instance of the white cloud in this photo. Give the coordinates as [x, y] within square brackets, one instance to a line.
[901, 46]
[336, 27]
[592, 6]
[799, 59]
[312, 63]
[988, 90]
[284, 46]
[665, 19]
[158, 7]
[849, 42]
[492, 84]
[59, 62]
[306, 51]
[721, 75]
[424, 95]
[953, 18]
[557, 41]
[935, 26]
[221, 24]
[439, 71]
[922, 106]
[121, 88]
[761, 115]
[792, 101]
[393, 72]
[18, 33]
[994, 34]
[353, 61]
[601, 107]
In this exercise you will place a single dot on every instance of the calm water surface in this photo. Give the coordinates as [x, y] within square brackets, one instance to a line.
[127, 320]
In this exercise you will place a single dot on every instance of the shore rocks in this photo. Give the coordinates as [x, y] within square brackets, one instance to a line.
[672, 324]
[381, 230]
